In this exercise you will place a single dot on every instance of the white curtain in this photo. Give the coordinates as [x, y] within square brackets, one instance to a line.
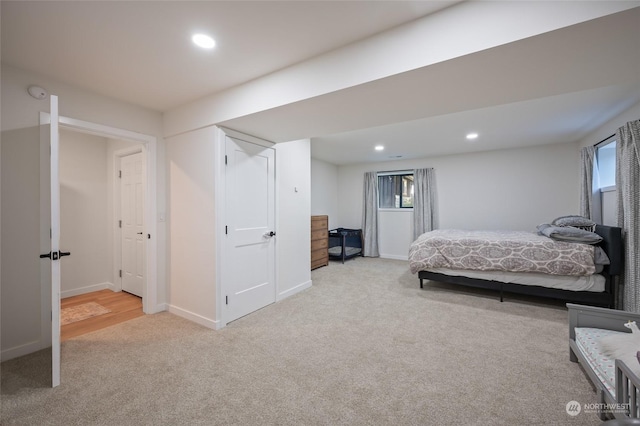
[425, 209]
[370, 215]
[587, 197]
[628, 189]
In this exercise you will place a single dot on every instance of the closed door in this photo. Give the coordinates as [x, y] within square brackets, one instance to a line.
[249, 278]
[132, 222]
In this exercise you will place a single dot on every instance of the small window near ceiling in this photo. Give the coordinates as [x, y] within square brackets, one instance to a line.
[606, 160]
[395, 191]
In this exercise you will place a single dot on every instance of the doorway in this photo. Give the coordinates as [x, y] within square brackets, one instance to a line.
[149, 144]
[103, 232]
[91, 204]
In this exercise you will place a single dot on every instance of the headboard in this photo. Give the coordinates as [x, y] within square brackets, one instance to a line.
[612, 245]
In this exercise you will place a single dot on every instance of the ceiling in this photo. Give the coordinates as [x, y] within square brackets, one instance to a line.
[556, 87]
[141, 51]
[552, 88]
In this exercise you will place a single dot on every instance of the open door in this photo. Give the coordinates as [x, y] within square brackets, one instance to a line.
[54, 253]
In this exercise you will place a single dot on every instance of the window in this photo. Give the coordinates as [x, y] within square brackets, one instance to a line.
[606, 160]
[395, 190]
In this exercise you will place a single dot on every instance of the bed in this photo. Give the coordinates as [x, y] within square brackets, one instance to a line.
[563, 277]
[614, 379]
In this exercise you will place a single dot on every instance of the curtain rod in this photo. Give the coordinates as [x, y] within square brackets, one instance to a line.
[394, 172]
[604, 140]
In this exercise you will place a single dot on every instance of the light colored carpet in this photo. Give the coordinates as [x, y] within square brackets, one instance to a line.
[363, 346]
[81, 312]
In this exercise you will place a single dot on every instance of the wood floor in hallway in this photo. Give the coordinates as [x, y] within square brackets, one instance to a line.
[123, 307]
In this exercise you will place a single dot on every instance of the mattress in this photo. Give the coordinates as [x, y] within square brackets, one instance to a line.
[348, 251]
[594, 283]
[587, 340]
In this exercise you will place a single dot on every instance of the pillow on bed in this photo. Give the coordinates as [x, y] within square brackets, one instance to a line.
[569, 234]
[577, 221]
[600, 259]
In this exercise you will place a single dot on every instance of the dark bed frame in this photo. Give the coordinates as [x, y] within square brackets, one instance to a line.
[612, 245]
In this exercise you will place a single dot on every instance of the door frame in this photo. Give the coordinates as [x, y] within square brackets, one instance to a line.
[220, 217]
[150, 291]
[117, 200]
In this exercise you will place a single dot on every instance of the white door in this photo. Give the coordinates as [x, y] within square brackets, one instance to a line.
[132, 190]
[249, 277]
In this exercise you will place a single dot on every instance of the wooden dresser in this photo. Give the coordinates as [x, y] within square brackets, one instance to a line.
[319, 241]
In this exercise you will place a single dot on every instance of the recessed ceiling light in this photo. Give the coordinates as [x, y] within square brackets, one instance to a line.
[204, 41]
[472, 136]
[379, 148]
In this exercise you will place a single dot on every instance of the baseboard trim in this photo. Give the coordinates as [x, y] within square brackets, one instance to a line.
[21, 350]
[394, 257]
[161, 307]
[193, 317]
[294, 290]
[87, 289]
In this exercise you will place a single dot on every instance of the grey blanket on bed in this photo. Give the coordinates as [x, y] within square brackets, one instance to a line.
[569, 234]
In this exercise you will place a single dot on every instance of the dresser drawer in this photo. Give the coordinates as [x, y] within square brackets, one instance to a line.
[321, 222]
[319, 263]
[319, 259]
[319, 254]
[321, 234]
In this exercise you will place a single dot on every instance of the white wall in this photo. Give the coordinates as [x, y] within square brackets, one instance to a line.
[293, 204]
[22, 326]
[514, 189]
[395, 233]
[192, 236]
[610, 208]
[20, 289]
[324, 191]
[84, 212]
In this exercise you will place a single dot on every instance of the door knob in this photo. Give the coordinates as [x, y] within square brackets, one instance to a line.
[269, 234]
[55, 255]
[139, 233]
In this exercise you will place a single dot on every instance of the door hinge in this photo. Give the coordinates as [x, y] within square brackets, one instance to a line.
[226, 299]
[226, 230]
[120, 273]
[225, 159]
[120, 174]
[119, 224]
